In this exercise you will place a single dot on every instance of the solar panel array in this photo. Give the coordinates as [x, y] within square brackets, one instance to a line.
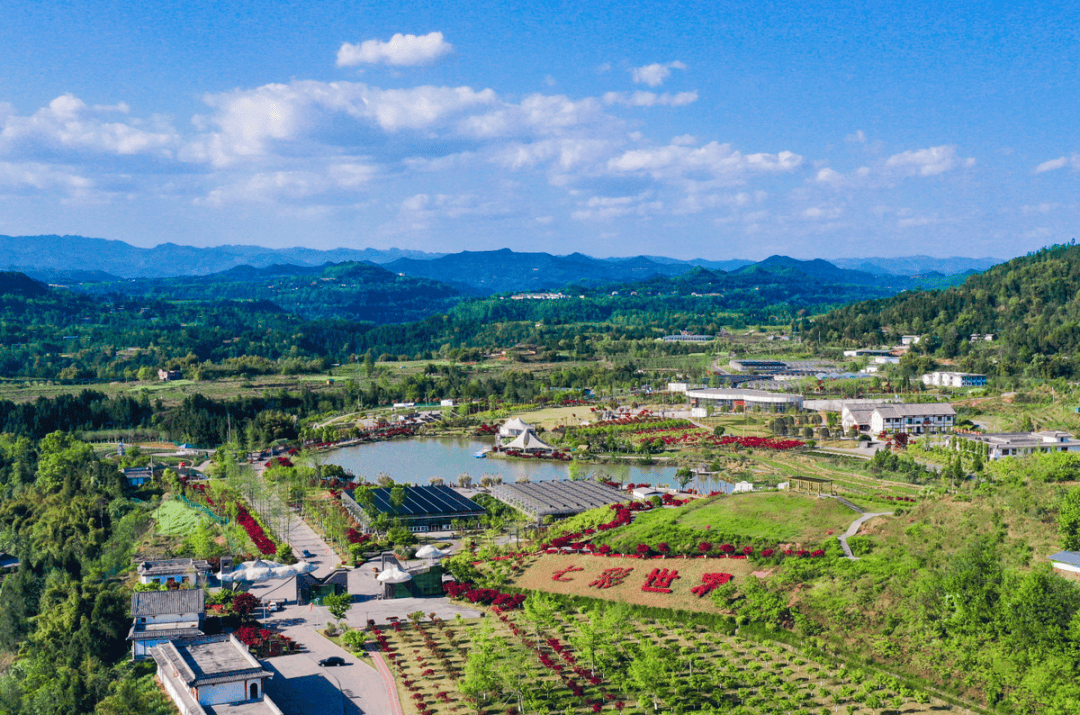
[556, 498]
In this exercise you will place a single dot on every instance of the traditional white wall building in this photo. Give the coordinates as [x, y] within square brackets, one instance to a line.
[161, 616]
[1020, 444]
[912, 419]
[214, 670]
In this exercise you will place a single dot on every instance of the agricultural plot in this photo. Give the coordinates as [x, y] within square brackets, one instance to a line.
[542, 660]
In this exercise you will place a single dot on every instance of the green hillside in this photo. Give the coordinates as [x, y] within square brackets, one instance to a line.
[1030, 304]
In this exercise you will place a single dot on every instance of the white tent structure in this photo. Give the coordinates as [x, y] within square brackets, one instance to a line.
[258, 571]
[394, 575]
[513, 427]
[527, 441]
[427, 551]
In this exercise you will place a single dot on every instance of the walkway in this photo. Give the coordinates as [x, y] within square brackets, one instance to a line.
[387, 678]
[854, 529]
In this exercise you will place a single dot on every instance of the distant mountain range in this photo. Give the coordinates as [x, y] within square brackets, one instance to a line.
[76, 259]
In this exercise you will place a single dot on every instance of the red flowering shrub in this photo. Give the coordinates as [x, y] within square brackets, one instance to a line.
[709, 582]
[704, 547]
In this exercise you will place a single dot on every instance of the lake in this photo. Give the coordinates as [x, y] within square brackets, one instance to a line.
[416, 460]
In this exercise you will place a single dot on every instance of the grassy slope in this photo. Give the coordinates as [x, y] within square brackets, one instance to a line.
[769, 518]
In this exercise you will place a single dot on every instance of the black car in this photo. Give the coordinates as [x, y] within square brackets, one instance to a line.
[332, 660]
[307, 554]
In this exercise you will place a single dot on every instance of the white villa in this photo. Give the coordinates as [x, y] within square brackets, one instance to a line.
[912, 419]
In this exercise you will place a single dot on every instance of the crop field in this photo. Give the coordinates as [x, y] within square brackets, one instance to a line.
[604, 661]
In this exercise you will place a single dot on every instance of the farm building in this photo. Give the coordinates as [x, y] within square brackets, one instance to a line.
[1018, 444]
[557, 499]
[430, 508]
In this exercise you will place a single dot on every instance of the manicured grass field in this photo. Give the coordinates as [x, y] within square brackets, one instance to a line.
[177, 519]
[768, 517]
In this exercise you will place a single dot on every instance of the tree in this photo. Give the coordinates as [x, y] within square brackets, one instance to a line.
[718, 431]
[338, 604]
[244, 604]
[354, 640]
[1069, 520]
[683, 476]
[397, 497]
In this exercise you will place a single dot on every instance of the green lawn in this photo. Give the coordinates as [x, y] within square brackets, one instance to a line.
[767, 518]
[177, 519]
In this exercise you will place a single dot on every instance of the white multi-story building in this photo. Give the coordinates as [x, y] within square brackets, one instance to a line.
[954, 379]
[912, 419]
[1019, 444]
[161, 616]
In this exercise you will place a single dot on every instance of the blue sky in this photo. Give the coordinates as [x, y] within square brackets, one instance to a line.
[712, 130]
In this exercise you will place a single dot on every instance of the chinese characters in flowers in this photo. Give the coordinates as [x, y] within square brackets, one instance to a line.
[611, 577]
[709, 582]
[560, 574]
[659, 581]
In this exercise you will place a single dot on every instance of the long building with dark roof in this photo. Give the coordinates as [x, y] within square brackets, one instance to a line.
[430, 508]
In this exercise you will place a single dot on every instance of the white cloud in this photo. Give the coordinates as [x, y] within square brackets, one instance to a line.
[718, 160]
[291, 186]
[401, 51]
[31, 176]
[1038, 209]
[823, 213]
[650, 99]
[544, 220]
[249, 121]
[918, 221]
[655, 74]
[857, 138]
[69, 124]
[605, 208]
[926, 162]
[1072, 161]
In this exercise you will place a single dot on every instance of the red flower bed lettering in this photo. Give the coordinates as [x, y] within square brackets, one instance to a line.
[569, 569]
[611, 577]
[659, 581]
[709, 582]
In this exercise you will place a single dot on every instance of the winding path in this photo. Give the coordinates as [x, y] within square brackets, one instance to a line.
[854, 529]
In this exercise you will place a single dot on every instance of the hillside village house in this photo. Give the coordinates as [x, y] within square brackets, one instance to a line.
[912, 419]
[161, 616]
[1019, 444]
[138, 476]
[205, 674]
[174, 571]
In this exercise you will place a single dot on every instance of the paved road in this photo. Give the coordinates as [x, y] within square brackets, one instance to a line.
[301, 687]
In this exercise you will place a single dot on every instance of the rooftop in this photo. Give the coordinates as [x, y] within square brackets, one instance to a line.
[209, 660]
[556, 497]
[936, 408]
[159, 603]
[170, 566]
[423, 501]
[1071, 558]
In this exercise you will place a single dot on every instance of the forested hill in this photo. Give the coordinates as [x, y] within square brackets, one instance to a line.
[350, 290]
[1031, 303]
[14, 283]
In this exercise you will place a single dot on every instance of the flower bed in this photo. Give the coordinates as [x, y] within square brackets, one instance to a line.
[710, 582]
